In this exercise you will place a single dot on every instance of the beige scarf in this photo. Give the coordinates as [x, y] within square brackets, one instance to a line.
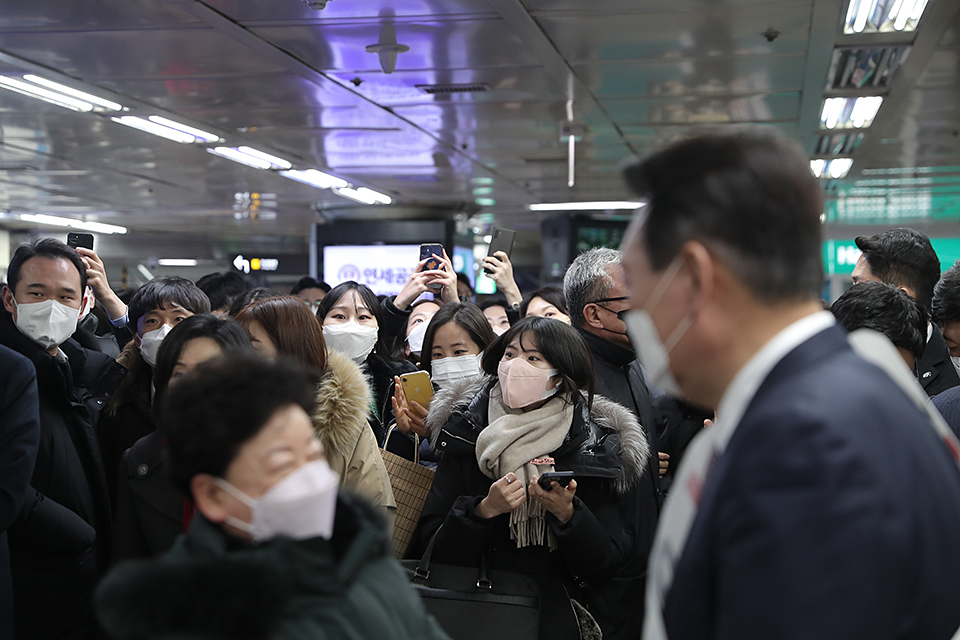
[521, 442]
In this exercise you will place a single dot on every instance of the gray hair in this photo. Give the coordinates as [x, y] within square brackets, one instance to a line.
[588, 279]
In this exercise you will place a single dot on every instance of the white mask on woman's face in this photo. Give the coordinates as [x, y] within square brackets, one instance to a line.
[301, 506]
[353, 340]
[447, 370]
[415, 339]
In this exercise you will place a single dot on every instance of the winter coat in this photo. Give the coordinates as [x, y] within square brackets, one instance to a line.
[128, 415]
[606, 449]
[58, 544]
[19, 437]
[150, 510]
[213, 586]
[340, 421]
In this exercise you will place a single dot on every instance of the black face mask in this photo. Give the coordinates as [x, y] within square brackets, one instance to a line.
[619, 314]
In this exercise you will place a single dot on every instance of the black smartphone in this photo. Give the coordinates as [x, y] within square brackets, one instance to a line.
[84, 240]
[502, 241]
[562, 477]
[432, 253]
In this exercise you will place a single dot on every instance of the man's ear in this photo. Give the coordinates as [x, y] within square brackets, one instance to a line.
[591, 316]
[8, 299]
[907, 290]
[700, 267]
[208, 497]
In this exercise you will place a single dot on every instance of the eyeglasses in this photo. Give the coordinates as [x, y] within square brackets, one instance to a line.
[619, 314]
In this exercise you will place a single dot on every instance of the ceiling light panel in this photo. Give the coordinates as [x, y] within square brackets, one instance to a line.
[109, 105]
[40, 93]
[232, 153]
[199, 134]
[864, 67]
[364, 195]
[849, 113]
[57, 221]
[882, 16]
[585, 206]
[316, 179]
[156, 129]
[834, 169]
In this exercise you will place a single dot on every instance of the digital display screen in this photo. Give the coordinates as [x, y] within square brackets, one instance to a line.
[383, 268]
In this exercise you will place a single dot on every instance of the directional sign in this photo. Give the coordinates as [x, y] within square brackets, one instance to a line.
[255, 264]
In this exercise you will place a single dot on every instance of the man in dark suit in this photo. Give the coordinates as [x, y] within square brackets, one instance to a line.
[595, 293]
[825, 501]
[19, 436]
[906, 259]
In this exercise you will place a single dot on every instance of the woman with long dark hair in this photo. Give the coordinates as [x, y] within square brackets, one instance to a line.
[535, 413]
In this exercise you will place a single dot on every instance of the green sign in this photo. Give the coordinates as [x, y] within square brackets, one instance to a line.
[840, 256]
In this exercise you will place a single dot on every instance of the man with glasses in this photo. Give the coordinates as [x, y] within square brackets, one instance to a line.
[596, 298]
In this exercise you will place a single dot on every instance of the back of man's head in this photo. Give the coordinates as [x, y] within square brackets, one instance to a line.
[222, 288]
[886, 309]
[749, 197]
[904, 258]
[588, 279]
[946, 296]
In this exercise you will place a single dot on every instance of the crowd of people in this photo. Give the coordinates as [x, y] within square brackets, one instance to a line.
[682, 441]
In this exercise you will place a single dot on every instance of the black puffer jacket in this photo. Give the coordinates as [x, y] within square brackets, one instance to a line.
[606, 449]
[58, 544]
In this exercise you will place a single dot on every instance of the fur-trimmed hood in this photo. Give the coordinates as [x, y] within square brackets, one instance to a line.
[343, 404]
[460, 410]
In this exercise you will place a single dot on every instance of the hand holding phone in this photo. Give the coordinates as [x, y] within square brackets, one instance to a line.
[563, 478]
[432, 253]
[84, 240]
[502, 241]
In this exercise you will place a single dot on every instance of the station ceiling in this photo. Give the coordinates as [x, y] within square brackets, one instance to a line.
[471, 121]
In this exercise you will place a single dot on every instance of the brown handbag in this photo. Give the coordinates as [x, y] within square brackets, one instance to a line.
[411, 483]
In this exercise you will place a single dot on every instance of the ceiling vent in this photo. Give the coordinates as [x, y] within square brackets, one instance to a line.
[839, 144]
[477, 87]
[865, 67]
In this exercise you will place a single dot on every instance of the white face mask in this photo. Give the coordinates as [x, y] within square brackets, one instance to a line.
[48, 323]
[301, 506]
[89, 300]
[447, 370]
[653, 354]
[956, 363]
[353, 340]
[415, 339]
[150, 344]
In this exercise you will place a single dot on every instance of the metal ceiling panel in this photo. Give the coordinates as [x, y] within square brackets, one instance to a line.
[296, 10]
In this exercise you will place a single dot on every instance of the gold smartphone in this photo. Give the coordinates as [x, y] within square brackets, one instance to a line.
[416, 386]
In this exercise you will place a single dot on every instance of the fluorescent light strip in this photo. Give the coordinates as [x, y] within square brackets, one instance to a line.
[40, 93]
[585, 206]
[57, 221]
[847, 113]
[834, 169]
[364, 195]
[74, 93]
[199, 134]
[274, 161]
[817, 167]
[232, 154]
[156, 129]
[900, 15]
[315, 178]
[176, 262]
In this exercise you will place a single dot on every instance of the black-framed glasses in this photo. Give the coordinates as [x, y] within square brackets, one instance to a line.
[619, 314]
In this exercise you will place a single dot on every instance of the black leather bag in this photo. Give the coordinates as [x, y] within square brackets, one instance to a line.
[473, 603]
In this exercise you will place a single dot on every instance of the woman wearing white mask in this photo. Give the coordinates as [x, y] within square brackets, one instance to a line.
[421, 313]
[274, 549]
[284, 327]
[155, 309]
[353, 325]
[453, 344]
[535, 413]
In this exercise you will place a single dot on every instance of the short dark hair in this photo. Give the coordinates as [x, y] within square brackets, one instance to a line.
[222, 404]
[222, 288]
[465, 279]
[465, 314]
[560, 345]
[905, 258]
[370, 301]
[306, 282]
[224, 331]
[749, 196]
[553, 295]
[946, 296]
[884, 308]
[250, 296]
[45, 248]
[162, 290]
[496, 301]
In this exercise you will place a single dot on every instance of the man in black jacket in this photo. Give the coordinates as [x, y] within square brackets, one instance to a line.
[906, 259]
[19, 435]
[58, 541]
[595, 292]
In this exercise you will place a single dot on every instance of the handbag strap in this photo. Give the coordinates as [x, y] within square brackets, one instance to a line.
[422, 573]
[416, 443]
